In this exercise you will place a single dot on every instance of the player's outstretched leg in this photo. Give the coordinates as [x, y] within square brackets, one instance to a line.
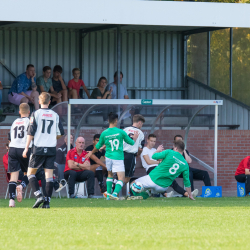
[109, 183]
[48, 192]
[35, 186]
[12, 193]
[118, 188]
[19, 188]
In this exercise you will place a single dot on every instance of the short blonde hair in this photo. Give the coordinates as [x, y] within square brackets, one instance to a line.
[75, 69]
[24, 108]
[44, 98]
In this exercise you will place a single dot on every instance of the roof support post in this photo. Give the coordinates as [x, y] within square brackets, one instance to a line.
[118, 58]
[208, 58]
[231, 62]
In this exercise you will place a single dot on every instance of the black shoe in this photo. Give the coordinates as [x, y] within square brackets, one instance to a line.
[45, 206]
[103, 189]
[38, 202]
[72, 196]
[90, 196]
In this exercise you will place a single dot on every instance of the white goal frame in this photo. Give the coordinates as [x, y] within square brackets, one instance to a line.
[152, 102]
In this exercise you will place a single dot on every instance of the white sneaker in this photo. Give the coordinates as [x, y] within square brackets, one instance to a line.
[62, 185]
[170, 194]
[195, 193]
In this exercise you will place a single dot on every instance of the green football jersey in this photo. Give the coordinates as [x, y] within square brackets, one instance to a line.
[172, 165]
[113, 139]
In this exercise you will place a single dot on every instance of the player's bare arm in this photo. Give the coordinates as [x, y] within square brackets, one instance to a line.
[97, 160]
[190, 193]
[59, 136]
[90, 153]
[29, 139]
[135, 135]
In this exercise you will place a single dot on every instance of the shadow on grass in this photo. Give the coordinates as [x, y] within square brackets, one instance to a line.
[149, 203]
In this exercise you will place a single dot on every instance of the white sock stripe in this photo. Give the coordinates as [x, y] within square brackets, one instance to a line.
[111, 180]
[119, 183]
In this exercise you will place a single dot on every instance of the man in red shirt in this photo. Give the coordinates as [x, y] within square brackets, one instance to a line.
[77, 168]
[242, 173]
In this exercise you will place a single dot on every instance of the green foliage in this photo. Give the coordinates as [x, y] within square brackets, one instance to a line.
[160, 223]
[220, 61]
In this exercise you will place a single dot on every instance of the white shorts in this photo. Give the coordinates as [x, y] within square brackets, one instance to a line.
[149, 184]
[115, 166]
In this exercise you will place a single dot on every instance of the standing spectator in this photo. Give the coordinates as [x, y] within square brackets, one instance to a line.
[99, 168]
[242, 174]
[123, 91]
[59, 85]
[61, 153]
[19, 91]
[194, 174]
[99, 92]
[75, 84]
[44, 83]
[77, 168]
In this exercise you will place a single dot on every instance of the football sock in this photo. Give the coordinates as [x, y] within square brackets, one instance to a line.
[34, 185]
[118, 187]
[109, 183]
[48, 190]
[12, 190]
[99, 177]
[25, 181]
[115, 179]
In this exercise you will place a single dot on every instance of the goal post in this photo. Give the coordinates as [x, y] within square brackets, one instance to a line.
[160, 115]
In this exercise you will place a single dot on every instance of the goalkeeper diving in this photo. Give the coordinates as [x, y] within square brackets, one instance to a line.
[172, 165]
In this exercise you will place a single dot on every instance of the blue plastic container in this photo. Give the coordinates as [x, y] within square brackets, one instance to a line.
[211, 192]
[241, 191]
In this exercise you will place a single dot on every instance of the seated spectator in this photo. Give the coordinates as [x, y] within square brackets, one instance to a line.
[99, 92]
[146, 156]
[242, 174]
[59, 85]
[123, 91]
[75, 84]
[1, 96]
[19, 91]
[194, 174]
[44, 84]
[77, 169]
[99, 168]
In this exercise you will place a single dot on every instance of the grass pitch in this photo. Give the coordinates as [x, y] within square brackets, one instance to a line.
[175, 223]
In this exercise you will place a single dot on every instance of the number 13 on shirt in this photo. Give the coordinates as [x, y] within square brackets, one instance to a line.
[114, 144]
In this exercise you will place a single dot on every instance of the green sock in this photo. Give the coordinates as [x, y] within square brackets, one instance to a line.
[109, 183]
[118, 187]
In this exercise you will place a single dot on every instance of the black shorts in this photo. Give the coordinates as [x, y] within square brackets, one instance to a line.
[129, 163]
[16, 162]
[42, 161]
